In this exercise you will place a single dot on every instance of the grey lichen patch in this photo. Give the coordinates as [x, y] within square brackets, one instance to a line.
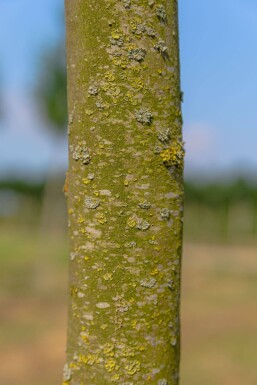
[170, 284]
[130, 244]
[91, 176]
[91, 203]
[163, 381]
[103, 305]
[142, 224]
[80, 294]
[93, 90]
[165, 214]
[101, 105]
[127, 4]
[137, 54]
[144, 116]
[117, 39]
[157, 150]
[150, 31]
[148, 283]
[138, 223]
[67, 373]
[164, 135]
[80, 152]
[139, 29]
[73, 256]
[161, 47]
[173, 341]
[161, 13]
[145, 205]
[119, 42]
[70, 119]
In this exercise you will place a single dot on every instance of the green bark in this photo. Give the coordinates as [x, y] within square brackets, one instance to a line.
[125, 192]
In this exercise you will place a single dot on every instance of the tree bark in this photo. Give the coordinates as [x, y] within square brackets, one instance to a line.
[125, 192]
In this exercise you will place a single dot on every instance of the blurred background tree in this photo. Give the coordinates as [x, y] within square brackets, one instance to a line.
[51, 92]
[51, 89]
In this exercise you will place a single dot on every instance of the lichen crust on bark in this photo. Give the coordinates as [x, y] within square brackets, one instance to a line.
[125, 192]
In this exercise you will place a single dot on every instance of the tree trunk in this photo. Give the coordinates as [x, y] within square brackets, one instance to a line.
[125, 192]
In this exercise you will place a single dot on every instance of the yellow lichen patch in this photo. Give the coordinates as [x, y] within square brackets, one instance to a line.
[174, 156]
[155, 272]
[114, 378]
[116, 35]
[109, 76]
[133, 284]
[80, 220]
[103, 326]
[130, 46]
[131, 222]
[126, 182]
[134, 23]
[110, 365]
[89, 112]
[86, 181]
[108, 350]
[126, 351]
[73, 365]
[141, 348]
[131, 300]
[105, 86]
[120, 61]
[131, 99]
[99, 268]
[114, 91]
[136, 69]
[101, 218]
[132, 367]
[73, 291]
[134, 324]
[85, 337]
[107, 277]
[89, 359]
[138, 84]
[178, 113]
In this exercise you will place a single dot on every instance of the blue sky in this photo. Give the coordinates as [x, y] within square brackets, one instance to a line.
[218, 40]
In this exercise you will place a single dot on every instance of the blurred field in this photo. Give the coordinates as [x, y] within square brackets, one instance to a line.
[219, 311]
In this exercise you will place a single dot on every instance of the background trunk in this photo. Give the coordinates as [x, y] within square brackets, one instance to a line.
[125, 197]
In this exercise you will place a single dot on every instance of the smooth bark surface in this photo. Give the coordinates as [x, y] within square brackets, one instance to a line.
[125, 195]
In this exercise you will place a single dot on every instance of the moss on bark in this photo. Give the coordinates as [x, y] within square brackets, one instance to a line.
[125, 194]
